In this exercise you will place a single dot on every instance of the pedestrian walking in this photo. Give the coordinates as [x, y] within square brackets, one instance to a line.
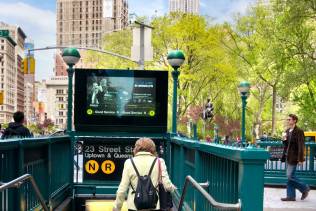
[144, 162]
[293, 139]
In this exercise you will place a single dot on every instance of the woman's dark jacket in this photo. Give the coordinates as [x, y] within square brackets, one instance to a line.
[294, 146]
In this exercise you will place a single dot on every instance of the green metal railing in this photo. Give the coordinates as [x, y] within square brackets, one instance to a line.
[233, 173]
[206, 195]
[274, 169]
[228, 170]
[47, 160]
[16, 184]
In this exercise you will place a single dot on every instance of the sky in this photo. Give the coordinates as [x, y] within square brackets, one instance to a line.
[37, 18]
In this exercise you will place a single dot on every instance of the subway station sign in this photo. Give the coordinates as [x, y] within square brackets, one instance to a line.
[105, 161]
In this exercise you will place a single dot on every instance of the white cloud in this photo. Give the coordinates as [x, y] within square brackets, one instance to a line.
[40, 26]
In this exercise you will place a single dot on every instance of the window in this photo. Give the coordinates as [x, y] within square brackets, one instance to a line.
[59, 91]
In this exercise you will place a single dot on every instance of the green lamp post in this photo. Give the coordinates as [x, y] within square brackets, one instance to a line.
[243, 88]
[70, 56]
[175, 59]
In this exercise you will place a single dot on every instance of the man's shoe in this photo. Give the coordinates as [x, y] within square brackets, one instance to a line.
[288, 199]
[305, 193]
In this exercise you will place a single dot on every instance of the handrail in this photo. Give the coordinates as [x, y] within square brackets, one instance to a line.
[18, 181]
[207, 196]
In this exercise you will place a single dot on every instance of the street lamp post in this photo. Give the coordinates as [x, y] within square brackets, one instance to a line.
[244, 93]
[70, 56]
[175, 59]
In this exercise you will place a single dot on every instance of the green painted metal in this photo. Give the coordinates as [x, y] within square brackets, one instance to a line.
[42, 158]
[243, 120]
[226, 168]
[70, 71]
[176, 58]
[72, 54]
[244, 87]
[6, 34]
[175, 76]
[274, 169]
[176, 54]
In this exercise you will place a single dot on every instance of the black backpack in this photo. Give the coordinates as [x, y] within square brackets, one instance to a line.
[146, 196]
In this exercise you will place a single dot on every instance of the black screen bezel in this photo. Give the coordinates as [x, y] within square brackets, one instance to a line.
[85, 122]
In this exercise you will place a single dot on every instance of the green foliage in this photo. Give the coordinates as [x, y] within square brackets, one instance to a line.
[119, 42]
[272, 46]
[207, 72]
[47, 127]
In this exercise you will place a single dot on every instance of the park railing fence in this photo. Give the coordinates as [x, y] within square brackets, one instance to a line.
[233, 173]
[47, 159]
[274, 169]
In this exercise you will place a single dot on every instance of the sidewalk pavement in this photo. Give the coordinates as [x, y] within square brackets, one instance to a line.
[272, 200]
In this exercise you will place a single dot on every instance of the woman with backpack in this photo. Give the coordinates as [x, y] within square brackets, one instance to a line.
[140, 178]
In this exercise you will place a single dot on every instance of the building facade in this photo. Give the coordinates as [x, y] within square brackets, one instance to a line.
[186, 6]
[56, 100]
[7, 75]
[12, 80]
[83, 22]
[60, 66]
[29, 87]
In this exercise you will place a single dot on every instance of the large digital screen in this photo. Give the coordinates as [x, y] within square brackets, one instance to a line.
[121, 96]
[121, 100]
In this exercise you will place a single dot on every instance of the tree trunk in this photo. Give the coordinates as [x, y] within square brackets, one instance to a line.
[274, 93]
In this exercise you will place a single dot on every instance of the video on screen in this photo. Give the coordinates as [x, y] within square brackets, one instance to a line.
[121, 96]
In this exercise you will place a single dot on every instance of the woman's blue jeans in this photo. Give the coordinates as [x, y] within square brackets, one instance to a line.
[293, 182]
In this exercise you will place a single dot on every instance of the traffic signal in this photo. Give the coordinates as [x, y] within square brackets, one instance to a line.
[28, 65]
[24, 65]
[1, 98]
[31, 64]
[208, 111]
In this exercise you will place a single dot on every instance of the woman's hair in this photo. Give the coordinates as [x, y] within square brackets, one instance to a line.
[145, 145]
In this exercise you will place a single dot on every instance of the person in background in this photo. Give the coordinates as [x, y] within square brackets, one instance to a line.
[226, 140]
[16, 129]
[1, 130]
[144, 155]
[293, 139]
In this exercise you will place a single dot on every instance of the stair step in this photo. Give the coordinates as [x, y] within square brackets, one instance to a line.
[102, 205]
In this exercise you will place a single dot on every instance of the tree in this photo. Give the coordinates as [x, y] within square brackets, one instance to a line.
[300, 27]
[259, 41]
[207, 71]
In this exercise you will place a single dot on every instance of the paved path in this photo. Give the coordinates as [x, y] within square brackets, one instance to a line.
[272, 201]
